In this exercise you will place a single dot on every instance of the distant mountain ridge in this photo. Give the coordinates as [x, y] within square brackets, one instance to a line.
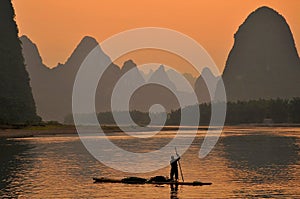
[201, 86]
[52, 88]
[262, 64]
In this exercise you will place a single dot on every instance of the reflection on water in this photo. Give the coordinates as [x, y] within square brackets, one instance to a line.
[246, 163]
[261, 151]
[174, 191]
[10, 161]
[268, 161]
[266, 158]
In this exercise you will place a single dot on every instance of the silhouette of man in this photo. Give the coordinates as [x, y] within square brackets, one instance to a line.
[174, 167]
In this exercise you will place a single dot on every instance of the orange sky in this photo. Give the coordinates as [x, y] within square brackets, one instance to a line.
[58, 26]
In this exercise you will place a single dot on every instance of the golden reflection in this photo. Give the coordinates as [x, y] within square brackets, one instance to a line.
[60, 167]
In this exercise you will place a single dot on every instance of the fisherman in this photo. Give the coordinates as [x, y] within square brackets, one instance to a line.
[174, 167]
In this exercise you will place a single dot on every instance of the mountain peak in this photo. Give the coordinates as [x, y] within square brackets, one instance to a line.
[161, 68]
[263, 62]
[128, 65]
[87, 43]
[207, 71]
[25, 38]
[265, 9]
[85, 46]
[263, 21]
[30, 50]
[207, 78]
[160, 75]
[88, 40]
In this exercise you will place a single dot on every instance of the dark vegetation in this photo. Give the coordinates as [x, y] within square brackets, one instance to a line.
[16, 101]
[253, 111]
[240, 112]
[34, 126]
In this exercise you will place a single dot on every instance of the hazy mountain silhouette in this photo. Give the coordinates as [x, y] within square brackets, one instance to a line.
[16, 100]
[146, 75]
[160, 94]
[161, 76]
[135, 77]
[132, 78]
[190, 78]
[201, 88]
[263, 62]
[52, 88]
[152, 93]
[40, 78]
[105, 88]
[176, 77]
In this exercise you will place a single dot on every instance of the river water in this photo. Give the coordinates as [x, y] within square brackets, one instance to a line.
[246, 163]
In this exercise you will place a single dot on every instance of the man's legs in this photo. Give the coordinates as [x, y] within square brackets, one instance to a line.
[176, 174]
[172, 174]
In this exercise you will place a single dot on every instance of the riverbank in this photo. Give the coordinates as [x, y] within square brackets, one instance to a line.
[60, 129]
[31, 131]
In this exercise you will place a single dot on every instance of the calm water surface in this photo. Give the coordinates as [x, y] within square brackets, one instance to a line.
[246, 163]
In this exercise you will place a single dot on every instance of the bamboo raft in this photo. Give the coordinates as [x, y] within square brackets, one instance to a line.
[145, 181]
